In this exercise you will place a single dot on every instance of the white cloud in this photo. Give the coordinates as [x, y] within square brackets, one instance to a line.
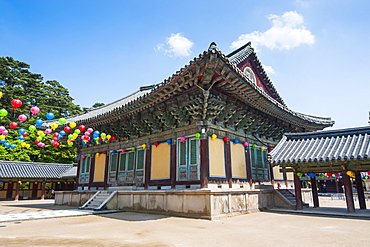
[176, 46]
[268, 69]
[287, 32]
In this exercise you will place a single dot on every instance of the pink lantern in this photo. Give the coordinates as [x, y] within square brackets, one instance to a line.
[34, 110]
[90, 130]
[183, 139]
[123, 150]
[87, 133]
[22, 118]
[2, 128]
[48, 131]
[337, 175]
[245, 144]
[5, 132]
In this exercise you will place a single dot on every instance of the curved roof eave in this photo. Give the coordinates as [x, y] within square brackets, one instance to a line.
[147, 92]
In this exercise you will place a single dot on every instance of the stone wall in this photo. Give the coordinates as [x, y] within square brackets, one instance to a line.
[204, 203]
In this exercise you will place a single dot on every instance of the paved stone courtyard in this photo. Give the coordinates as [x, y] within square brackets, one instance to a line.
[134, 229]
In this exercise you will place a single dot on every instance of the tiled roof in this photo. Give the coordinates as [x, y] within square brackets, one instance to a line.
[323, 146]
[241, 54]
[230, 60]
[18, 169]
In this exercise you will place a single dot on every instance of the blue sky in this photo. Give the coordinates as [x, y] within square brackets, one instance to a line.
[316, 52]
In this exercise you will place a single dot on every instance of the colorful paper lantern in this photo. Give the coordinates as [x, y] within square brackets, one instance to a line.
[226, 139]
[213, 137]
[156, 144]
[245, 144]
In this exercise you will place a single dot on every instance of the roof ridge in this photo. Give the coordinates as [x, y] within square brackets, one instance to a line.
[328, 133]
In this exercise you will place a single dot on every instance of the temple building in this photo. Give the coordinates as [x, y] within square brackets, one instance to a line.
[209, 125]
[34, 180]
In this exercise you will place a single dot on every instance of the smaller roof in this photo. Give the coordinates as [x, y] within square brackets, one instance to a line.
[323, 146]
[20, 169]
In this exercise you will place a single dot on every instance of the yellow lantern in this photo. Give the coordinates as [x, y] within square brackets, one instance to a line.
[72, 124]
[143, 146]
[53, 126]
[213, 137]
[262, 148]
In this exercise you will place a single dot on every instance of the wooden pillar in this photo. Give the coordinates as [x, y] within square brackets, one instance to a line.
[298, 192]
[17, 189]
[248, 166]
[147, 167]
[348, 192]
[204, 163]
[92, 170]
[272, 175]
[107, 168]
[34, 189]
[42, 191]
[360, 191]
[315, 194]
[336, 186]
[9, 193]
[78, 172]
[229, 176]
[285, 177]
[173, 167]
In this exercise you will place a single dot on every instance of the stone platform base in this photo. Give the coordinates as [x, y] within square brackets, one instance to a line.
[201, 203]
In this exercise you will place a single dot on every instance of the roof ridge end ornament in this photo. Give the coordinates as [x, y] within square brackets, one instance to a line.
[213, 47]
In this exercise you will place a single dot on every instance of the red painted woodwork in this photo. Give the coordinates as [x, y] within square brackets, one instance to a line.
[298, 192]
[229, 176]
[360, 191]
[147, 170]
[348, 193]
[204, 163]
[173, 166]
[315, 193]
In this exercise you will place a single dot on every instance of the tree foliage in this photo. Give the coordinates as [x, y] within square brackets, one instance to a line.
[18, 82]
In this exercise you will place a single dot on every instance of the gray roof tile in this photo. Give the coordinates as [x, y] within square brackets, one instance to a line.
[19, 169]
[332, 145]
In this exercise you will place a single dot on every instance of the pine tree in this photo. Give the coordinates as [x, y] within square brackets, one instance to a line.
[18, 82]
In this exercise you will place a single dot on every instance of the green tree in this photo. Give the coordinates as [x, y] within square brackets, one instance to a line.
[18, 82]
[97, 105]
